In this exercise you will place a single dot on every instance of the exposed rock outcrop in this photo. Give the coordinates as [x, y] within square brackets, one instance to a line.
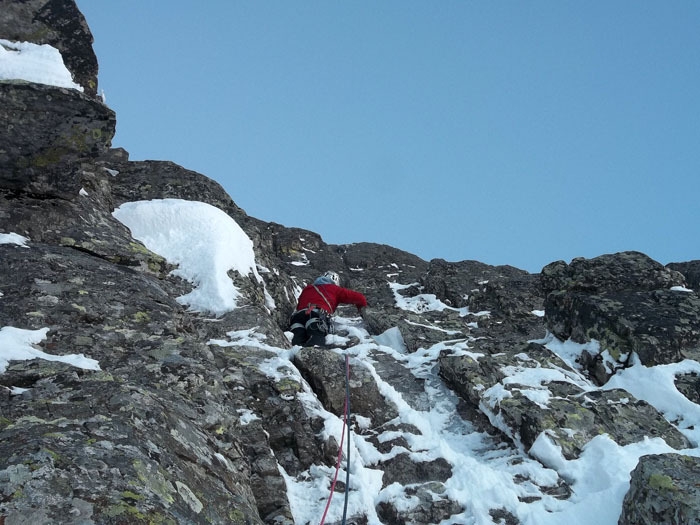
[562, 407]
[691, 272]
[59, 24]
[663, 489]
[627, 302]
[142, 437]
[325, 372]
[49, 131]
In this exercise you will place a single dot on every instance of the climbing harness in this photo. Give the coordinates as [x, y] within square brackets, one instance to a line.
[346, 419]
[310, 322]
[330, 326]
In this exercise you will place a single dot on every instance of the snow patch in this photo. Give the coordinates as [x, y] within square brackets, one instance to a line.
[38, 63]
[422, 302]
[202, 240]
[14, 238]
[681, 289]
[17, 344]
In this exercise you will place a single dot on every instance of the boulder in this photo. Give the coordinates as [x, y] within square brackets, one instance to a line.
[325, 372]
[609, 273]
[432, 506]
[689, 386]
[405, 471]
[626, 302]
[663, 489]
[660, 326]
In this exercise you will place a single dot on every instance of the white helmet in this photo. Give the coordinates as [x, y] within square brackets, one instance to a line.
[333, 277]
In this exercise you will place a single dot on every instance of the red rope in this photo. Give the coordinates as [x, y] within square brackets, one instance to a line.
[337, 464]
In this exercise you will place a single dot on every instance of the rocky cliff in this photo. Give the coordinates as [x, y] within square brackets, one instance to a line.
[169, 415]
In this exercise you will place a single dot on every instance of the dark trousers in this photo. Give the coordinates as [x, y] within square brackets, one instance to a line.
[310, 327]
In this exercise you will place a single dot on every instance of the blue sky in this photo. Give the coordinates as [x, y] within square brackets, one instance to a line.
[506, 132]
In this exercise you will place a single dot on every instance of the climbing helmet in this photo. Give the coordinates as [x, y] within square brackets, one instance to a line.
[333, 277]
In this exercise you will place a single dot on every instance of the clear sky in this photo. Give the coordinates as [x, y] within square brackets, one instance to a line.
[507, 132]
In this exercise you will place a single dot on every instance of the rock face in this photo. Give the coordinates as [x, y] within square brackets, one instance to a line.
[691, 272]
[52, 131]
[627, 302]
[183, 417]
[59, 24]
[572, 417]
[663, 489]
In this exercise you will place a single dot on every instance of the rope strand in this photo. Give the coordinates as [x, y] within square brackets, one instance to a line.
[346, 416]
[347, 461]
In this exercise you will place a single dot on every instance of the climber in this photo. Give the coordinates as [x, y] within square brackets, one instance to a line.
[311, 321]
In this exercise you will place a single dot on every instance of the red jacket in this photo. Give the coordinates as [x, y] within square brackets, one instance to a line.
[334, 294]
